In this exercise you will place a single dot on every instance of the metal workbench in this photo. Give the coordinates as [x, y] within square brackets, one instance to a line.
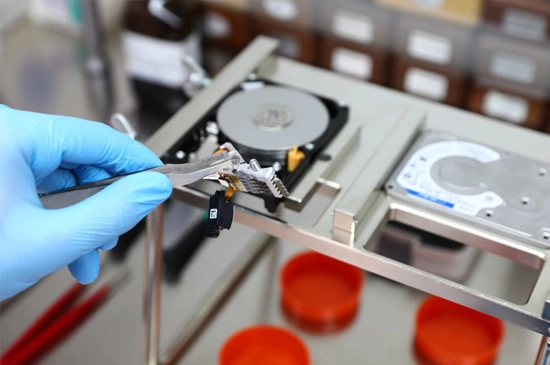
[382, 333]
[381, 126]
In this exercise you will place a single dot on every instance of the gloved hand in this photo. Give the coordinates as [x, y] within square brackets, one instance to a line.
[43, 153]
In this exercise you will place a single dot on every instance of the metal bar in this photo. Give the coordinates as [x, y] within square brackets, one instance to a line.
[214, 299]
[527, 317]
[354, 205]
[152, 286]
[467, 234]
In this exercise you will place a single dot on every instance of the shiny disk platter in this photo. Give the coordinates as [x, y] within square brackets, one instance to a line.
[486, 186]
[268, 121]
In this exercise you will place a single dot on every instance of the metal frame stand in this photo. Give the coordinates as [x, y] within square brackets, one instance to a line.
[207, 307]
[153, 284]
[362, 156]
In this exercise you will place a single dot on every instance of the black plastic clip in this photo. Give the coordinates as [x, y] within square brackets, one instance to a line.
[220, 214]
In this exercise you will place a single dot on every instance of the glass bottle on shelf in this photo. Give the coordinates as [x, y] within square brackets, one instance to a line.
[157, 36]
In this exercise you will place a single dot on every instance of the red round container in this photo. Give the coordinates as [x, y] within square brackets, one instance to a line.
[320, 292]
[450, 334]
[264, 345]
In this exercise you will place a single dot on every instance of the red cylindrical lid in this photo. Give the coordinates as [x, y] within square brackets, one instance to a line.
[319, 289]
[265, 345]
[450, 334]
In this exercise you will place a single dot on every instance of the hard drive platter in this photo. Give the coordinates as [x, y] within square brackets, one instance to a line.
[268, 122]
[277, 125]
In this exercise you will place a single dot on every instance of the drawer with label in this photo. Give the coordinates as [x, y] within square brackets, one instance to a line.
[514, 61]
[226, 25]
[298, 13]
[507, 105]
[523, 19]
[366, 63]
[357, 22]
[432, 82]
[434, 41]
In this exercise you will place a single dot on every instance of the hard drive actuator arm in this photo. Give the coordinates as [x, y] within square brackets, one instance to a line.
[226, 165]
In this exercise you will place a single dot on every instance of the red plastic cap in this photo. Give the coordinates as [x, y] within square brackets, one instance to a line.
[319, 289]
[265, 345]
[450, 334]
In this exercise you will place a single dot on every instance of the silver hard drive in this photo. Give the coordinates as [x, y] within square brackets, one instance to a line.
[483, 185]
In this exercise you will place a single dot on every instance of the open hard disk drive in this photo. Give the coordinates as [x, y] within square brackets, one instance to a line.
[279, 126]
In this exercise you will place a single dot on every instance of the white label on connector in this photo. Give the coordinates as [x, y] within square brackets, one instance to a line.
[354, 27]
[508, 107]
[351, 63]
[159, 61]
[213, 213]
[216, 25]
[513, 67]
[425, 83]
[430, 47]
[416, 177]
[431, 4]
[281, 9]
[524, 24]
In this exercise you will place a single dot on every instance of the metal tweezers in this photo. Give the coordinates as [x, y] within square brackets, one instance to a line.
[179, 175]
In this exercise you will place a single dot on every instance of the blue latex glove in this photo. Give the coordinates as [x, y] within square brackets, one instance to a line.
[40, 153]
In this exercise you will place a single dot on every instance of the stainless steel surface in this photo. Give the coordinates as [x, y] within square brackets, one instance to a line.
[152, 287]
[179, 175]
[381, 334]
[352, 209]
[213, 301]
[377, 113]
[526, 315]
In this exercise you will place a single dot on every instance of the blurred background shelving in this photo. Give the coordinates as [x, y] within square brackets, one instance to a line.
[490, 57]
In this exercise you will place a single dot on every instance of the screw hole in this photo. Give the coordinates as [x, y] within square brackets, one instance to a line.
[324, 157]
[390, 186]
[525, 201]
[489, 213]
[546, 235]
[542, 172]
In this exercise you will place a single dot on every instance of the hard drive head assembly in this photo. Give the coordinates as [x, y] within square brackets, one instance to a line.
[273, 125]
[244, 177]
